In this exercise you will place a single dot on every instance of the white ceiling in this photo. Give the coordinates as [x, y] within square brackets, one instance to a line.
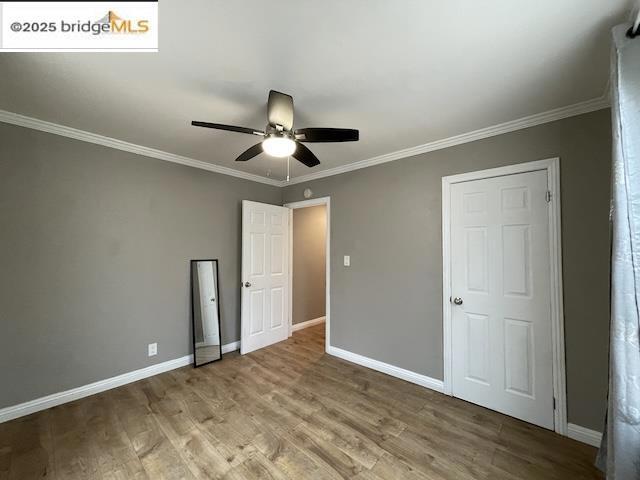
[403, 72]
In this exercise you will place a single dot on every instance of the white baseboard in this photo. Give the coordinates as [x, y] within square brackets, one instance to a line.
[42, 403]
[309, 323]
[408, 375]
[576, 432]
[231, 347]
[584, 435]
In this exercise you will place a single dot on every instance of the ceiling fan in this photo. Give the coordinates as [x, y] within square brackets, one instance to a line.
[279, 138]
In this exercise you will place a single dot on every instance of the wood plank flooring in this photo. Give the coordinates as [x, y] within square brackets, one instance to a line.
[285, 412]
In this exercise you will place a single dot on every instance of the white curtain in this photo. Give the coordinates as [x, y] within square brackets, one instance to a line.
[620, 449]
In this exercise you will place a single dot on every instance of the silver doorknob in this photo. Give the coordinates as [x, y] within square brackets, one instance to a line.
[457, 301]
[247, 284]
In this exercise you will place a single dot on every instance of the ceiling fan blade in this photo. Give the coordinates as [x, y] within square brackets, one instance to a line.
[230, 128]
[304, 155]
[327, 135]
[280, 110]
[250, 153]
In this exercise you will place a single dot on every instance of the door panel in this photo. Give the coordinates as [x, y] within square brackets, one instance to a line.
[277, 254]
[277, 307]
[500, 267]
[265, 275]
[257, 254]
[519, 355]
[257, 306]
[477, 347]
[516, 260]
[477, 259]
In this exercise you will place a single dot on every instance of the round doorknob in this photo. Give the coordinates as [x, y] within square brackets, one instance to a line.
[457, 301]
[247, 284]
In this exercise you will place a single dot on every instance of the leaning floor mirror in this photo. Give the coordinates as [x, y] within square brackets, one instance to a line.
[205, 312]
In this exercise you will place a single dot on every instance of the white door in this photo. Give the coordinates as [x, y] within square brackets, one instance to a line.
[208, 305]
[265, 275]
[501, 332]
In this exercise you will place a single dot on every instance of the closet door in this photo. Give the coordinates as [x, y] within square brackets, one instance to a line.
[502, 354]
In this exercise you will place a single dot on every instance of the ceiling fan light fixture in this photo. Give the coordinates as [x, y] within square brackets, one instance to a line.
[278, 146]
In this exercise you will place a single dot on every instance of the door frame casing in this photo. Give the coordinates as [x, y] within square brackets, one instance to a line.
[552, 167]
[304, 204]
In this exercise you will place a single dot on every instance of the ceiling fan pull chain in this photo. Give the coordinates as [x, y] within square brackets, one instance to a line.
[271, 167]
[288, 166]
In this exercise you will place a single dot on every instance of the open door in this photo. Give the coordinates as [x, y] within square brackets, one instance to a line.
[265, 275]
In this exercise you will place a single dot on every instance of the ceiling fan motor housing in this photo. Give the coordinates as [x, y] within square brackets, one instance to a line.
[278, 131]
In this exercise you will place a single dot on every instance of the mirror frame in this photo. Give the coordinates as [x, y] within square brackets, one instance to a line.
[193, 317]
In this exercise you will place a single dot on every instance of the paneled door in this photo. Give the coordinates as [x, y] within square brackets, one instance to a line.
[265, 275]
[501, 332]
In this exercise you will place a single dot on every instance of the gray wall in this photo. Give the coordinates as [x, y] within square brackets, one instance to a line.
[95, 246]
[309, 263]
[388, 306]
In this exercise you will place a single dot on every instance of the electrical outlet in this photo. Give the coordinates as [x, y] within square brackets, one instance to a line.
[153, 349]
[347, 261]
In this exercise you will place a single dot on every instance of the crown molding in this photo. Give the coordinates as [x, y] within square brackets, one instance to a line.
[69, 132]
[507, 127]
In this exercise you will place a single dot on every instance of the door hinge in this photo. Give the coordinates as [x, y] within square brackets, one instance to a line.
[547, 196]
[554, 403]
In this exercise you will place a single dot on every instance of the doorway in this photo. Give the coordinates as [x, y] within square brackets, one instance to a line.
[309, 264]
[502, 291]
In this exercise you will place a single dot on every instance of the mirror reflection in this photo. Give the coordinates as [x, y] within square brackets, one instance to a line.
[205, 312]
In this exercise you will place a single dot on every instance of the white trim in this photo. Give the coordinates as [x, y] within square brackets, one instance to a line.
[42, 403]
[525, 122]
[290, 292]
[309, 323]
[27, 408]
[69, 132]
[552, 166]
[231, 347]
[507, 127]
[303, 204]
[557, 298]
[392, 370]
[584, 435]
[576, 432]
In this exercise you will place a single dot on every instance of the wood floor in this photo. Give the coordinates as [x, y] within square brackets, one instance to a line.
[285, 412]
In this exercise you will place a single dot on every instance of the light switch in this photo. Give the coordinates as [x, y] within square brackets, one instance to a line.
[347, 261]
